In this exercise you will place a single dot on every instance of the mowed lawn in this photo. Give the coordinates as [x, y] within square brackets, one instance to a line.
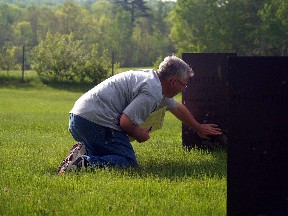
[34, 139]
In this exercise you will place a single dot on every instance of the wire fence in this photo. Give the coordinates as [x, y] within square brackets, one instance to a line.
[20, 60]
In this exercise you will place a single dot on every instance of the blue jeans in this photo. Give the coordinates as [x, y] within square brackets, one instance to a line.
[104, 146]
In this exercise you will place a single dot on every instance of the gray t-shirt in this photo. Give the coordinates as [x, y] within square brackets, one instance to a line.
[135, 93]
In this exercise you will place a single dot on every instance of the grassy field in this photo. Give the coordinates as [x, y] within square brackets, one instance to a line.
[34, 139]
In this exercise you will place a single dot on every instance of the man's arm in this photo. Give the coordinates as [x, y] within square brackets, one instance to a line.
[141, 135]
[203, 130]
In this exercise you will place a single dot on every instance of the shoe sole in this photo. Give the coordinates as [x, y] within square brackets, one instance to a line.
[77, 150]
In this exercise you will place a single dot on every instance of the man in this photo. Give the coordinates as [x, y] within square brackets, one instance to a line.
[103, 118]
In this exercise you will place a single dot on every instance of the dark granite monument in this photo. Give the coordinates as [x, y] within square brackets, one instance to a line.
[248, 98]
[257, 177]
[206, 96]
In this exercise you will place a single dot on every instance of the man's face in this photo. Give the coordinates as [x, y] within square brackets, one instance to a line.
[176, 85]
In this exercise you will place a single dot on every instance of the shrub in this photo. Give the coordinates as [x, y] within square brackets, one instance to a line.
[60, 57]
[157, 62]
[7, 60]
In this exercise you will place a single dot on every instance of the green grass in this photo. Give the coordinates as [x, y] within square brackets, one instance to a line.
[34, 139]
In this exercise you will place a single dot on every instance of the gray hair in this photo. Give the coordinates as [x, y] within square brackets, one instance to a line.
[174, 66]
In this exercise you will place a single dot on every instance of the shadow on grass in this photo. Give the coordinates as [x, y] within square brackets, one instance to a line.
[70, 86]
[174, 170]
[17, 83]
[14, 82]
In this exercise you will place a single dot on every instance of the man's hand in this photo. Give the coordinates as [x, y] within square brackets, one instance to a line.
[206, 130]
[203, 130]
[141, 135]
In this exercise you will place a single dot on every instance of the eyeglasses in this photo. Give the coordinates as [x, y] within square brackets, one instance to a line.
[185, 86]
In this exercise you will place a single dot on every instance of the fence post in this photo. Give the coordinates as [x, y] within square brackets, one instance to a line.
[112, 63]
[23, 62]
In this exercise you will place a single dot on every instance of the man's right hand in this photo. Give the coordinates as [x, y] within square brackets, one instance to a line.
[141, 135]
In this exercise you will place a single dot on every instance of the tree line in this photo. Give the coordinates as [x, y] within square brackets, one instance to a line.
[245, 27]
[138, 31]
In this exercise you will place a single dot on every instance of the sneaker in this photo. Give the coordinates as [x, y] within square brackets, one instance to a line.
[80, 163]
[76, 151]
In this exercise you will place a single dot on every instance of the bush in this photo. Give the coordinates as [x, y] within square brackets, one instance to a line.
[157, 62]
[61, 58]
[97, 70]
[7, 59]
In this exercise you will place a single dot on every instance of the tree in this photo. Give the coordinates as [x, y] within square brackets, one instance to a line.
[70, 18]
[147, 36]
[216, 26]
[7, 60]
[121, 33]
[23, 34]
[136, 8]
[188, 19]
[100, 29]
[243, 25]
[273, 29]
[60, 57]
[8, 15]
[161, 29]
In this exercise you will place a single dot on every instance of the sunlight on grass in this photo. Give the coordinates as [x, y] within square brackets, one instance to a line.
[34, 139]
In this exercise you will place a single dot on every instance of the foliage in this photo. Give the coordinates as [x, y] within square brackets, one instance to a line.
[274, 27]
[157, 62]
[60, 57]
[139, 31]
[8, 15]
[241, 26]
[136, 8]
[97, 68]
[7, 60]
[110, 24]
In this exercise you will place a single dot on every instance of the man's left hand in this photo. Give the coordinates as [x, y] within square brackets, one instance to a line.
[206, 130]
